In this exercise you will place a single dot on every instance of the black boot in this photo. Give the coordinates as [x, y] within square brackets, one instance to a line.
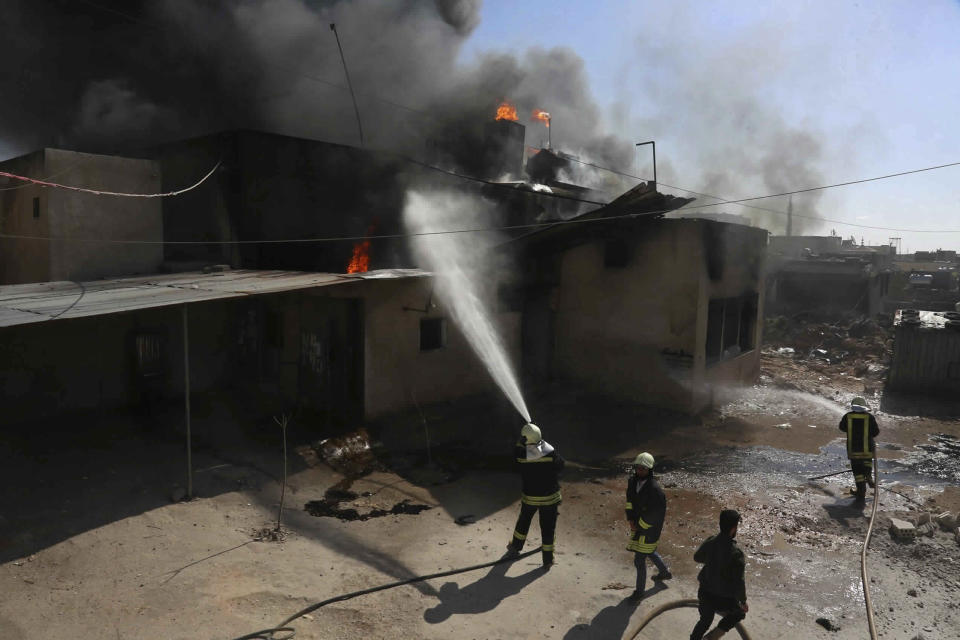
[861, 491]
[547, 559]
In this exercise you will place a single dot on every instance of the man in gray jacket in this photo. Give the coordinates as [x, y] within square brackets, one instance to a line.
[722, 588]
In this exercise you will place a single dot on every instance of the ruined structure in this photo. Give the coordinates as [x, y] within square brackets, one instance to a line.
[652, 310]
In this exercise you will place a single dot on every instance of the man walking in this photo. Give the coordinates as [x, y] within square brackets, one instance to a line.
[646, 509]
[861, 428]
[722, 589]
[540, 466]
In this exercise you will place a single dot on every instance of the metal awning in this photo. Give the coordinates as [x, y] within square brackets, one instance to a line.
[44, 301]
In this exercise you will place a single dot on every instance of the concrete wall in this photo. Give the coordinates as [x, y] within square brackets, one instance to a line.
[632, 331]
[60, 367]
[76, 215]
[23, 260]
[639, 331]
[83, 215]
[395, 370]
[733, 267]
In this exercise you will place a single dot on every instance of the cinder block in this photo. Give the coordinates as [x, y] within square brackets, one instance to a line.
[919, 518]
[902, 529]
[947, 521]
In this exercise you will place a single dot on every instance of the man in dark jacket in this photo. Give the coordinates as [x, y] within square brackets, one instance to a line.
[646, 510]
[722, 589]
[861, 428]
[540, 465]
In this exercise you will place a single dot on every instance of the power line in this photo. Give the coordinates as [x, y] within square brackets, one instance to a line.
[821, 219]
[101, 192]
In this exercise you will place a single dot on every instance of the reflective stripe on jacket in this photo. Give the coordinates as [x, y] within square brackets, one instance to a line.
[540, 477]
[861, 428]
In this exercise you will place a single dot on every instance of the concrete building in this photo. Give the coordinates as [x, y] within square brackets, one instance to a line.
[342, 349]
[30, 214]
[652, 310]
[817, 274]
[926, 353]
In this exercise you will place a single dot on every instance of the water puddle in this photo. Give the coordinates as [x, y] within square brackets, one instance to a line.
[759, 468]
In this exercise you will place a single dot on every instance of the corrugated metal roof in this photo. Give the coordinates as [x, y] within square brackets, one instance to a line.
[44, 301]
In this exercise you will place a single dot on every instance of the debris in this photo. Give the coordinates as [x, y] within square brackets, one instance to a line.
[465, 520]
[615, 585]
[912, 593]
[947, 521]
[784, 425]
[178, 494]
[786, 351]
[828, 624]
[901, 529]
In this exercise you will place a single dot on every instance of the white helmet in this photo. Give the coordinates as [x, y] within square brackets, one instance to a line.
[644, 460]
[530, 433]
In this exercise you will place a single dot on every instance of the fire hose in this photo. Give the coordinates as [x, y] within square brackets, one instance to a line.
[283, 628]
[864, 576]
[677, 604]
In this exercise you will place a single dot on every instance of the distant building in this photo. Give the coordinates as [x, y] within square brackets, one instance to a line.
[76, 223]
[817, 274]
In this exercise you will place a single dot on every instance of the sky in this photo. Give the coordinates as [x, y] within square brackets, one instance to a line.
[873, 83]
[743, 99]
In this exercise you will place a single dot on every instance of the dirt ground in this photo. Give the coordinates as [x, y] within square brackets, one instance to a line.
[92, 546]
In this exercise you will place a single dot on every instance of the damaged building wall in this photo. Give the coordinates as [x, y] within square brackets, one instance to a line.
[626, 317]
[61, 213]
[729, 328]
[664, 320]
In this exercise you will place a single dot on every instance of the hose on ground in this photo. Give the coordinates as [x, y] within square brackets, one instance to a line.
[283, 628]
[677, 604]
[864, 575]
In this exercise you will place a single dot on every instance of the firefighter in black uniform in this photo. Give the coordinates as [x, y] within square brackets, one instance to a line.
[646, 509]
[722, 588]
[540, 466]
[861, 428]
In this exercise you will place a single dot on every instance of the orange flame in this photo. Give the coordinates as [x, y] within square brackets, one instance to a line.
[506, 111]
[540, 114]
[360, 262]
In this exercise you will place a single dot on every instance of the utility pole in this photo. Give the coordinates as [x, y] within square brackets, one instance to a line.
[790, 216]
[654, 145]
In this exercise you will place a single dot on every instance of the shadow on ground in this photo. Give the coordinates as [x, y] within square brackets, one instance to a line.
[483, 595]
[611, 622]
[76, 473]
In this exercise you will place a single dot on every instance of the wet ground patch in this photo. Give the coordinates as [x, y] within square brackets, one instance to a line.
[333, 509]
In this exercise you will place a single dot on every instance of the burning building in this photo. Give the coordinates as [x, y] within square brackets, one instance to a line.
[653, 310]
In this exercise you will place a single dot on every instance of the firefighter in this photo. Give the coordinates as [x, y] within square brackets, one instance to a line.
[540, 465]
[646, 509]
[722, 589]
[861, 428]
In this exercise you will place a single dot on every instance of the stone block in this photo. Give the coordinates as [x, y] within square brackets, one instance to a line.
[919, 518]
[947, 521]
[902, 530]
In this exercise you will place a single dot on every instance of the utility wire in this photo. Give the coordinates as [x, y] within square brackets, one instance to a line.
[534, 225]
[102, 192]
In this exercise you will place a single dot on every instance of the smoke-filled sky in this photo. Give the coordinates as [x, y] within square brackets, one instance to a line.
[741, 100]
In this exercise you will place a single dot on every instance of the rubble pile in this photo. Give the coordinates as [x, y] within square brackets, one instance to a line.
[859, 347]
